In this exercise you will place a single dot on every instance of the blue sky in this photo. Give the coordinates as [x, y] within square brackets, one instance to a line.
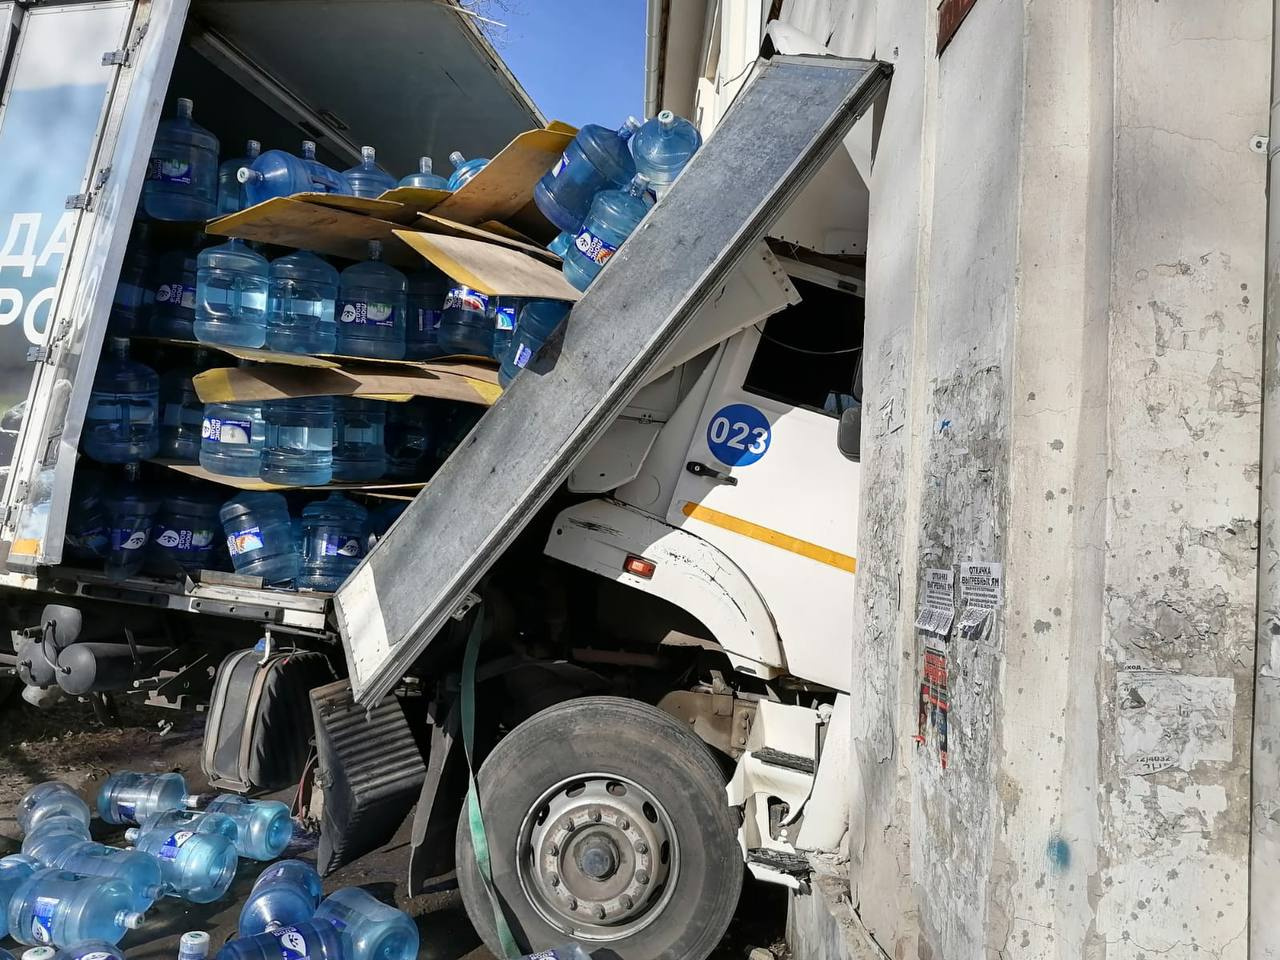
[582, 61]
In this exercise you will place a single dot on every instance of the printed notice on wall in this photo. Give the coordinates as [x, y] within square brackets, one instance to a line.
[981, 591]
[938, 606]
[1173, 720]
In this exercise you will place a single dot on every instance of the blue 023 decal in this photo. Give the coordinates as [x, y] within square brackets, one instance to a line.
[738, 434]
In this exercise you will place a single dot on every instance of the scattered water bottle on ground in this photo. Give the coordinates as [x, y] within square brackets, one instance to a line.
[181, 412]
[335, 534]
[359, 446]
[377, 931]
[424, 179]
[232, 197]
[134, 296]
[193, 945]
[285, 893]
[372, 300]
[173, 306]
[280, 174]
[129, 797]
[311, 939]
[193, 821]
[231, 439]
[122, 423]
[14, 872]
[367, 179]
[50, 799]
[427, 290]
[465, 324]
[539, 319]
[561, 244]
[408, 439]
[59, 908]
[53, 835]
[231, 295]
[613, 215]
[141, 872]
[198, 867]
[299, 447]
[186, 534]
[303, 291]
[182, 175]
[263, 827]
[131, 513]
[260, 538]
[596, 159]
[662, 147]
[87, 950]
[464, 170]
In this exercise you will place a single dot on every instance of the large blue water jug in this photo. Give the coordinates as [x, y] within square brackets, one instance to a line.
[186, 534]
[424, 179]
[410, 428]
[260, 537]
[662, 147]
[335, 533]
[612, 217]
[464, 170]
[596, 159]
[131, 307]
[263, 827]
[192, 821]
[308, 940]
[280, 174]
[59, 908]
[539, 319]
[359, 444]
[130, 797]
[196, 866]
[427, 289]
[181, 412]
[122, 423]
[139, 871]
[285, 893]
[50, 799]
[299, 447]
[231, 439]
[377, 931]
[232, 196]
[15, 870]
[45, 841]
[182, 175]
[90, 950]
[131, 507]
[466, 326]
[231, 295]
[87, 537]
[367, 179]
[561, 244]
[300, 306]
[372, 299]
[173, 302]
[506, 311]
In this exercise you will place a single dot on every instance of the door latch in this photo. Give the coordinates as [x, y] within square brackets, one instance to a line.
[702, 470]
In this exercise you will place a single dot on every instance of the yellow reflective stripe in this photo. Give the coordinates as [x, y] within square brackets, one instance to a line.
[774, 538]
[25, 547]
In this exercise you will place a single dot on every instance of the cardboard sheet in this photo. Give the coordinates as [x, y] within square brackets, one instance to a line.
[291, 222]
[506, 184]
[250, 483]
[491, 269]
[399, 382]
[433, 224]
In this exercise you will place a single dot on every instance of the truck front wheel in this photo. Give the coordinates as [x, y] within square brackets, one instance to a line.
[607, 824]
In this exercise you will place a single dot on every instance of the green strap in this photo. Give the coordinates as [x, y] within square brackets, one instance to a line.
[479, 839]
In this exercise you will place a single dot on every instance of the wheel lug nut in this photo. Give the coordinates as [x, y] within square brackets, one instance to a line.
[573, 903]
[555, 849]
[555, 880]
[595, 816]
[624, 824]
[600, 913]
[642, 847]
[642, 876]
[568, 825]
[627, 902]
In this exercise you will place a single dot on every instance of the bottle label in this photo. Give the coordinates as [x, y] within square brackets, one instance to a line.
[523, 355]
[171, 170]
[593, 248]
[428, 320]
[127, 810]
[293, 945]
[179, 294]
[128, 538]
[560, 165]
[370, 314]
[464, 298]
[337, 545]
[95, 955]
[216, 430]
[244, 541]
[42, 918]
[505, 319]
[183, 541]
[169, 849]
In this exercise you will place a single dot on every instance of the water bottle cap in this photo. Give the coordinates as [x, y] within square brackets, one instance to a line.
[309, 149]
[424, 164]
[133, 920]
[375, 249]
[185, 107]
[628, 128]
[368, 153]
[245, 174]
[666, 119]
[131, 834]
[252, 148]
[457, 159]
[639, 184]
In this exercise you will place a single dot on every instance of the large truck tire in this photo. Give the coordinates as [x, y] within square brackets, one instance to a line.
[607, 824]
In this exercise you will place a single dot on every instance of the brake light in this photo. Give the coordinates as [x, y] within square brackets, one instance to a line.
[640, 566]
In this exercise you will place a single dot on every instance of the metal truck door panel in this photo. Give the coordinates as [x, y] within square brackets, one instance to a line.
[774, 137]
[116, 56]
[765, 482]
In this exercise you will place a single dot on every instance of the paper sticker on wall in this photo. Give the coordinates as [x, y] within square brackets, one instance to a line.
[738, 435]
[1171, 720]
[938, 607]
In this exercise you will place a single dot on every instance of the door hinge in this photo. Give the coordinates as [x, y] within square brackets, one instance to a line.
[84, 201]
[43, 353]
[124, 56]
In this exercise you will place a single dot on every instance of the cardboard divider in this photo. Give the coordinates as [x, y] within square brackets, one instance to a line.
[430, 223]
[506, 184]
[278, 382]
[416, 199]
[252, 483]
[303, 225]
[490, 268]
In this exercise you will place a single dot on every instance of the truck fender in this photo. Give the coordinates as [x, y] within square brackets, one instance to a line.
[599, 535]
